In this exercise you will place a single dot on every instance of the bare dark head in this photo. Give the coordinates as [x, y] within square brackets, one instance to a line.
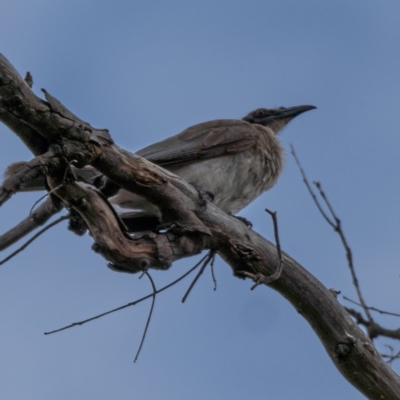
[275, 118]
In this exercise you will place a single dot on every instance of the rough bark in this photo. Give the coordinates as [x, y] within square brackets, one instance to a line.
[59, 139]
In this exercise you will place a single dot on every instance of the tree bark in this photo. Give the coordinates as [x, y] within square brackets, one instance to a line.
[59, 139]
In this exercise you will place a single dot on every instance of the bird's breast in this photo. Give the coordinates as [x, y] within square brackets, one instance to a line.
[235, 180]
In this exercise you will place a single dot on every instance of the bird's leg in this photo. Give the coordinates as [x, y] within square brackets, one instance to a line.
[243, 219]
[106, 186]
[76, 224]
[141, 223]
[203, 194]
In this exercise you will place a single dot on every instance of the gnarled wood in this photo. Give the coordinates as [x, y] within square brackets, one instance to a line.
[195, 227]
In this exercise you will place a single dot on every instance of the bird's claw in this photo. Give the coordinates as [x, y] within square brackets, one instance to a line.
[243, 219]
[203, 194]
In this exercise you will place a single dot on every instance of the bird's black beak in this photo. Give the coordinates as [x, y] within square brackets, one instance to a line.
[283, 113]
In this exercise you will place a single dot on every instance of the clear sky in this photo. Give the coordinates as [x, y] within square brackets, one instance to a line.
[146, 70]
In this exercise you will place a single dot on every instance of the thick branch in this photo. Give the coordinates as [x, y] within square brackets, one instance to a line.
[37, 218]
[195, 228]
[20, 90]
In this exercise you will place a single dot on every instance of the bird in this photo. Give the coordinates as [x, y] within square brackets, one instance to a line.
[233, 160]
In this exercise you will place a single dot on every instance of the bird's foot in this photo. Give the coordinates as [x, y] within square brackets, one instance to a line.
[243, 219]
[76, 224]
[204, 195]
[141, 223]
[106, 186]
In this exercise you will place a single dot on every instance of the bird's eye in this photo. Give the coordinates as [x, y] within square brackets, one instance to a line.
[259, 113]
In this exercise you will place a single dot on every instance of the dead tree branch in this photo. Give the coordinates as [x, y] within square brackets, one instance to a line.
[64, 138]
[37, 218]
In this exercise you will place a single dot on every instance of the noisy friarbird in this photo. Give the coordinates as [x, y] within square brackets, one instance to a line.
[233, 160]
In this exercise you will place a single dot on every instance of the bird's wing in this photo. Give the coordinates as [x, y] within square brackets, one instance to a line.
[206, 140]
[202, 141]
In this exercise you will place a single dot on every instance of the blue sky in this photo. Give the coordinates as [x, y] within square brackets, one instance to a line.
[147, 70]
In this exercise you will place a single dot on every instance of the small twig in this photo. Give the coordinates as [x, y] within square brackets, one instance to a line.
[133, 303]
[314, 197]
[44, 196]
[322, 194]
[29, 79]
[373, 308]
[349, 254]
[392, 356]
[36, 202]
[374, 330]
[212, 273]
[150, 314]
[56, 188]
[276, 235]
[208, 258]
[28, 242]
[259, 278]
[336, 224]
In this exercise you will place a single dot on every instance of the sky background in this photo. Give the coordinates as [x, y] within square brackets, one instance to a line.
[147, 70]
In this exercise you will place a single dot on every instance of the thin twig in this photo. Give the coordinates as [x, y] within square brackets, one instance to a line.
[133, 303]
[349, 254]
[44, 196]
[336, 224]
[54, 189]
[150, 314]
[36, 202]
[392, 356]
[212, 273]
[373, 308]
[314, 197]
[29, 79]
[260, 278]
[276, 233]
[209, 256]
[28, 242]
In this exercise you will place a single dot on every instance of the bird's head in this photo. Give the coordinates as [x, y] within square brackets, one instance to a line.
[275, 118]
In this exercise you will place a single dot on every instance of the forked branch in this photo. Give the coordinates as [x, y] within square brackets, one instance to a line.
[64, 138]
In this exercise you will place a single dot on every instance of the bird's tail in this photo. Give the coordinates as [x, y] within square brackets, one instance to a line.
[32, 185]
